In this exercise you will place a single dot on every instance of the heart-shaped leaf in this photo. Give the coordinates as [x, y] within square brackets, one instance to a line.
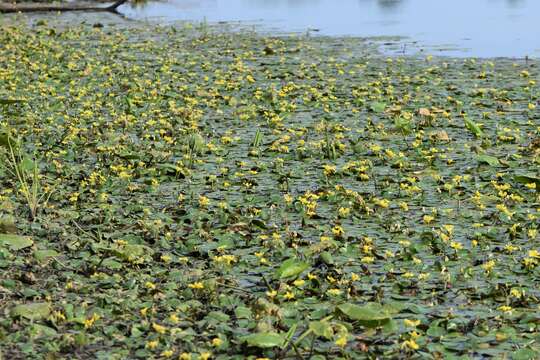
[487, 159]
[291, 268]
[32, 311]
[377, 107]
[264, 340]
[42, 255]
[370, 314]
[322, 328]
[473, 127]
[15, 242]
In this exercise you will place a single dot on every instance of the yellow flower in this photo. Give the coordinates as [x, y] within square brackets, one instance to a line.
[367, 259]
[428, 219]
[174, 318]
[203, 201]
[341, 341]
[505, 308]
[289, 295]
[410, 344]
[516, 293]
[196, 285]
[329, 170]
[449, 228]
[152, 344]
[338, 231]
[488, 266]
[159, 329]
[89, 322]
[334, 292]
[217, 342]
[534, 254]
[167, 353]
[384, 203]
[288, 199]
[411, 323]
[456, 245]
[344, 212]
[205, 355]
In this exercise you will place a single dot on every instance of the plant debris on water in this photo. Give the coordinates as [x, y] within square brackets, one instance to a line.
[189, 193]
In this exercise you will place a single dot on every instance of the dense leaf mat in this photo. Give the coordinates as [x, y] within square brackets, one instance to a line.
[213, 194]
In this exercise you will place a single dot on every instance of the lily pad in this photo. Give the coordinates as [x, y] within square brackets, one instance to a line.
[264, 340]
[291, 268]
[370, 314]
[32, 311]
[15, 242]
[473, 127]
[487, 159]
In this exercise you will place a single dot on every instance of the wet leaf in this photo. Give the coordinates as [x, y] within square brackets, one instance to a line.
[473, 127]
[487, 159]
[370, 314]
[264, 340]
[42, 255]
[378, 107]
[32, 311]
[10, 101]
[15, 242]
[322, 328]
[291, 268]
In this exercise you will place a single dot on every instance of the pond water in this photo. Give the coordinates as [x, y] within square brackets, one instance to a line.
[483, 28]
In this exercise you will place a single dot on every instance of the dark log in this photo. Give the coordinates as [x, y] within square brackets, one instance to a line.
[15, 8]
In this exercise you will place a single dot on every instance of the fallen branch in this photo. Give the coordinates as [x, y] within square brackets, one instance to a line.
[15, 8]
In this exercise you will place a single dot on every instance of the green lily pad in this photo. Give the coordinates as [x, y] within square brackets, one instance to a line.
[322, 328]
[15, 242]
[32, 311]
[487, 159]
[377, 107]
[133, 251]
[42, 255]
[291, 268]
[473, 127]
[370, 314]
[264, 340]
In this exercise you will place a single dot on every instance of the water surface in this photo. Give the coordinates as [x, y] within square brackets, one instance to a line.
[484, 28]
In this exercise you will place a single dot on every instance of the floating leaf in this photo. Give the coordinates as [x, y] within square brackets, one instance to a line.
[15, 242]
[264, 340]
[322, 328]
[370, 314]
[487, 159]
[133, 251]
[473, 127]
[31, 311]
[10, 101]
[525, 354]
[527, 179]
[42, 255]
[291, 268]
[377, 107]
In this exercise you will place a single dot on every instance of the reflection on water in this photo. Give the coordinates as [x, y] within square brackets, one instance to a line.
[483, 27]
